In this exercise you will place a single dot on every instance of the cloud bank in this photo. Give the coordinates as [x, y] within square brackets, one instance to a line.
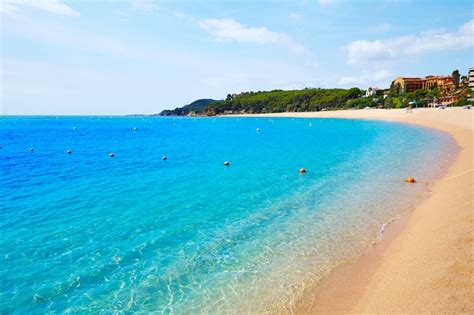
[379, 51]
[51, 6]
[231, 30]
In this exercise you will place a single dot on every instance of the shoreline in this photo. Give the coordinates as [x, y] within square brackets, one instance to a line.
[424, 263]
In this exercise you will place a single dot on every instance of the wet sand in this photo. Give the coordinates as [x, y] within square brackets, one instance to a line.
[425, 263]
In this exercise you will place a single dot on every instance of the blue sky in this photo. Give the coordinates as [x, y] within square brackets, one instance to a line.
[124, 57]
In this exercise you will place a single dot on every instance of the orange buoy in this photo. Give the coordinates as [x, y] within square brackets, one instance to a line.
[226, 163]
[302, 170]
[410, 180]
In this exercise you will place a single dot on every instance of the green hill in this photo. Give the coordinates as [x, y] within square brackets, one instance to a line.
[289, 101]
[276, 101]
[197, 106]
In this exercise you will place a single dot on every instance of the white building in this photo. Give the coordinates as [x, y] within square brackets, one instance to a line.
[470, 82]
[371, 91]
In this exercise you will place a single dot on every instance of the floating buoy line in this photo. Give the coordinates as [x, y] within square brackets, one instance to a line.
[409, 179]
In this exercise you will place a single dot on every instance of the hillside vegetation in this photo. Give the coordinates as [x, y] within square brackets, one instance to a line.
[309, 99]
[197, 106]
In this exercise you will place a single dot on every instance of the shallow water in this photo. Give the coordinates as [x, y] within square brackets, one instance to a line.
[85, 232]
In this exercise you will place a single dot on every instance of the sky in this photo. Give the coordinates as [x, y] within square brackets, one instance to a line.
[88, 57]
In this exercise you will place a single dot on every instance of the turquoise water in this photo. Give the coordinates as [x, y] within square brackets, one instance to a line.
[84, 232]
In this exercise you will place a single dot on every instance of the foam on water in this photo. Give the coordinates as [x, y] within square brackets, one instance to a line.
[85, 232]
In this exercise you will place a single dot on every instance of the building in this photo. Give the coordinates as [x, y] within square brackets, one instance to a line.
[447, 100]
[470, 83]
[406, 85]
[371, 91]
[443, 83]
[374, 91]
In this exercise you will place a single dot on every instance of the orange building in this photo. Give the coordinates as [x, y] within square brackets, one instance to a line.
[406, 85]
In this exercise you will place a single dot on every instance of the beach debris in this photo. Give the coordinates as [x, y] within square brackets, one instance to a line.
[302, 171]
[111, 154]
[164, 158]
[410, 180]
[226, 163]
[31, 149]
[69, 151]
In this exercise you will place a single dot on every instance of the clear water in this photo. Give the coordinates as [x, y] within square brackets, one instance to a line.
[88, 233]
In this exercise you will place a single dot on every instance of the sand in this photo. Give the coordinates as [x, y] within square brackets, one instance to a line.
[425, 263]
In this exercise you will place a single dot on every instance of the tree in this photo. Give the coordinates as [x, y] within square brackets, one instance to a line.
[456, 77]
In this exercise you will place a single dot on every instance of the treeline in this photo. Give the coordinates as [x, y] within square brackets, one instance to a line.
[421, 98]
[309, 99]
[286, 101]
[196, 107]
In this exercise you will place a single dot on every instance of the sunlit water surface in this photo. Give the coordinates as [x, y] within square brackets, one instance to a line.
[84, 232]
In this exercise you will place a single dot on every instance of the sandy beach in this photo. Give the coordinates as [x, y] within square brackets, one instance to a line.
[425, 263]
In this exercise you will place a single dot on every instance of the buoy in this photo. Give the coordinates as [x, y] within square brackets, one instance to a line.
[226, 163]
[74, 128]
[258, 129]
[135, 129]
[302, 170]
[410, 180]
[69, 151]
[111, 154]
[164, 158]
[31, 149]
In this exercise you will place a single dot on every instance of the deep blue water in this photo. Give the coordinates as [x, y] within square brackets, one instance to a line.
[84, 232]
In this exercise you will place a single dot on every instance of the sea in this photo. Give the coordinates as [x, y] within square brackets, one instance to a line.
[93, 219]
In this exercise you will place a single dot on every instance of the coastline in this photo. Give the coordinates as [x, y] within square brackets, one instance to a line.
[425, 261]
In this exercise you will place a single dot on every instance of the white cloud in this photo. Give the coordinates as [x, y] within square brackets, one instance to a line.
[231, 30]
[53, 6]
[372, 78]
[326, 2]
[364, 52]
[144, 5]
